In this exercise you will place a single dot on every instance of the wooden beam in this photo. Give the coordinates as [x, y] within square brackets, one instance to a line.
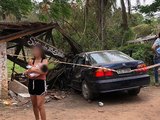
[31, 31]
[20, 62]
[17, 87]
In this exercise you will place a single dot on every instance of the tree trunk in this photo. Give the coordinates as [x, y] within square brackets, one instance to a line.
[129, 8]
[102, 22]
[86, 10]
[124, 16]
[101, 5]
[87, 7]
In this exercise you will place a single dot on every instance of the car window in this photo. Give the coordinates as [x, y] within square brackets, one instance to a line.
[81, 60]
[75, 59]
[109, 57]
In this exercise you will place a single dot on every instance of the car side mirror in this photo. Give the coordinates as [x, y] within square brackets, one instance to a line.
[130, 53]
[87, 63]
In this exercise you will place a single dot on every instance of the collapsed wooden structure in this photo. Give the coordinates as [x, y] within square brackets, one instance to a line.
[22, 35]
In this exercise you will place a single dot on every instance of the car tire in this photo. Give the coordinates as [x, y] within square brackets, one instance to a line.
[86, 92]
[134, 92]
[76, 91]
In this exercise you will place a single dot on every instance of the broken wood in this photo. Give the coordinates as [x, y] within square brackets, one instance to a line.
[17, 87]
[20, 35]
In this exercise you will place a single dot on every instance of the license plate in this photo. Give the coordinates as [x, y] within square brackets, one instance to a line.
[123, 71]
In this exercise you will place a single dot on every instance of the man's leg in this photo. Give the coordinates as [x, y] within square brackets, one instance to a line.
[156, 75]
[156, 71]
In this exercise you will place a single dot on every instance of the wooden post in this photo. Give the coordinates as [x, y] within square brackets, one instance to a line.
[3, 71]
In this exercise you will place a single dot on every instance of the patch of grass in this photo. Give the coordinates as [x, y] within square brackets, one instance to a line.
[51, 66]
[18, 68]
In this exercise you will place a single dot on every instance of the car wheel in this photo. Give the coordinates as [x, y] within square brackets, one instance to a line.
[86, 92]
[77, 91]
[134, 92]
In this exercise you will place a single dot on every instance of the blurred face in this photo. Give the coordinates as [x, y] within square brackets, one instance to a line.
[36, 52]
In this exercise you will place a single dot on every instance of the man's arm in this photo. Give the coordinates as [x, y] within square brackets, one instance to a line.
[155, 45]
[154, 48]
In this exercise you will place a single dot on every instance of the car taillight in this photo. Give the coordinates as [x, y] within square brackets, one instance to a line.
[103, 73]
[99, 73]
[141, 68]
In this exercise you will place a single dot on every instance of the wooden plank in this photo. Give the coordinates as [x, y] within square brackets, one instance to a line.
[20, 62]
[17, 87]
[21, 34]
[20, 90]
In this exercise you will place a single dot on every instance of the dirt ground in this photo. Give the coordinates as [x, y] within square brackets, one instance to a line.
[118, 106]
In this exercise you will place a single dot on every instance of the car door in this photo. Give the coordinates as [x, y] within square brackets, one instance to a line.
[76, 73]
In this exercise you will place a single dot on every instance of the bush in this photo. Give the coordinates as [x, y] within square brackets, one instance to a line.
[142, 30]
[139, 52]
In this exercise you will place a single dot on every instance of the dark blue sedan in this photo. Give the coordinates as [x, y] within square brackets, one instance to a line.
[93, 81]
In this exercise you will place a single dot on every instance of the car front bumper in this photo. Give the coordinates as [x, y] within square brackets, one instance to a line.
[119, 84]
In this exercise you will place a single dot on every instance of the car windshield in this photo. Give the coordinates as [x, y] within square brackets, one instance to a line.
[109, 57]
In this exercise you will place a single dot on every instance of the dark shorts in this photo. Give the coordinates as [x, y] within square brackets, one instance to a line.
[36, 87]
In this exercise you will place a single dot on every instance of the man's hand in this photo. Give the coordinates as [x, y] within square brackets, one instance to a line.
[154, 47]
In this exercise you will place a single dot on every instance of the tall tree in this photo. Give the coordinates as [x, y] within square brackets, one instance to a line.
[102, 7]
[101, 18]
[124, 16]
[129, 7]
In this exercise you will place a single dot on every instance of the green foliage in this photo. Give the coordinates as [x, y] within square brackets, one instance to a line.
[89, 37]
[60, 10]
[139, 52]
[150, 9]
[18, 8]
[18, 69]
[43, 17]
[142, 30]
[136, 19]
[57, 10]
[81, 20]
[128, 35]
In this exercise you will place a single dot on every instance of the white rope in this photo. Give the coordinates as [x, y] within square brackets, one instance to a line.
[67, 63]
[89, 66]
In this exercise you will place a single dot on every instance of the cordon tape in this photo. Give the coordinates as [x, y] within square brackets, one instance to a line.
[96, 67]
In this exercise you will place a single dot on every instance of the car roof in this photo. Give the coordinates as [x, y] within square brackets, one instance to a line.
[101, 51]
[97, 51]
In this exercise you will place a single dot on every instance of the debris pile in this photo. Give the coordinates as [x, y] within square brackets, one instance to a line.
[17, 100]
[20, 36]
[56, 95]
